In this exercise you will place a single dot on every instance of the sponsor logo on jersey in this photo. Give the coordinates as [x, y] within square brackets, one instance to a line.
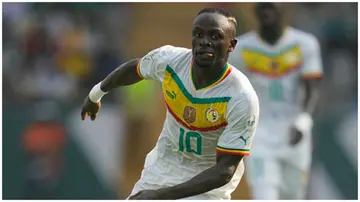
[189, 114]
[212, 115]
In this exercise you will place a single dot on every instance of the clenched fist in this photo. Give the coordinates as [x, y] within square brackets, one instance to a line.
[90, 108]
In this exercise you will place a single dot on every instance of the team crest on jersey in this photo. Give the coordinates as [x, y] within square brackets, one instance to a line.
[212, 115]
[189, 114]
[274, 65]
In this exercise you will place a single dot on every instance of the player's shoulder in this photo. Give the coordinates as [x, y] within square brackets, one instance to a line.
[240, 88]
[174, 49]
[303, 37]
[169, 52]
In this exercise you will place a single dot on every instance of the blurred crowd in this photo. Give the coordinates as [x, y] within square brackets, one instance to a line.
[56, 51]
[59, 50]
[53, 53]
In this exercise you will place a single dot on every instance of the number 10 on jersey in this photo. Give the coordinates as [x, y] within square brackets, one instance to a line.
[185, 140]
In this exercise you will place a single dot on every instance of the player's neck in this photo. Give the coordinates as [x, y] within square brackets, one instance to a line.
[206, 76]
[271, 35]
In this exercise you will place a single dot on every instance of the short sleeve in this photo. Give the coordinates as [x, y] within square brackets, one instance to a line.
[153, 64]
[242, 120]
[312, 64]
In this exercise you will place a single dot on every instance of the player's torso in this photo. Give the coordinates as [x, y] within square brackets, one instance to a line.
[274, 72]
[195, 117]
[195, 120]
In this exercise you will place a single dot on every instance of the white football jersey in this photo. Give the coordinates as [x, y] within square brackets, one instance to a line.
[200, 120]
[275, 73]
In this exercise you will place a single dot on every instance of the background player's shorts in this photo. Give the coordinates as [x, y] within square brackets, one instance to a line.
[279, 173]
[275, 179]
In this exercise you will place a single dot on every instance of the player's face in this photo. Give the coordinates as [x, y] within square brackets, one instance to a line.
[268, 14]
[211, 39]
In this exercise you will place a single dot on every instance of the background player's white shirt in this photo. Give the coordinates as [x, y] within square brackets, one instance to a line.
[199, 122]
[275, 73]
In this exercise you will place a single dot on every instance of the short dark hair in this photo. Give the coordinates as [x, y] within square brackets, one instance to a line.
[273, 5]
[223, 12]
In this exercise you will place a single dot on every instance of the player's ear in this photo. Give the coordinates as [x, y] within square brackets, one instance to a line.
[233, 43]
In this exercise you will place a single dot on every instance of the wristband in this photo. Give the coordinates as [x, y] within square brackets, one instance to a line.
[304, 122]
[96, 93]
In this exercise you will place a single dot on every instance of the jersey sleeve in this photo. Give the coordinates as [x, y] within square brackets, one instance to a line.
[153, 64]
[242, 122]
[312, 64]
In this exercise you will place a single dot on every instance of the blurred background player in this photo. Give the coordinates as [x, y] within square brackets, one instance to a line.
[280, 61]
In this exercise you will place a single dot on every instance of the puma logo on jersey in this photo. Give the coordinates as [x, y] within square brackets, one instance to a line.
[172, 95]
[245, 140]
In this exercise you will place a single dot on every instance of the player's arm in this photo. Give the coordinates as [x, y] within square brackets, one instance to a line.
[150, 66]
[311, 94]
[312, 72]
[233, 144]
[210, 179]
[125, 74]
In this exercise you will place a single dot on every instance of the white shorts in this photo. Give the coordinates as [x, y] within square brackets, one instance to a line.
[272, 140]
[271, 179]
[283, 169]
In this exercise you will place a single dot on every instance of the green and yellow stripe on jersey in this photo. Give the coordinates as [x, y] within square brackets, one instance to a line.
[273, 64]
[224, 150]
[190, 111]
[223, 75]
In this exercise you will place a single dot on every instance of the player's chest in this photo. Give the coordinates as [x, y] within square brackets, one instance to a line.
[190, 110]
[272, 62]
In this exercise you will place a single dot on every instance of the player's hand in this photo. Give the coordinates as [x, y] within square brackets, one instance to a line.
[90, 108]
[145, 195]
[295, 136]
